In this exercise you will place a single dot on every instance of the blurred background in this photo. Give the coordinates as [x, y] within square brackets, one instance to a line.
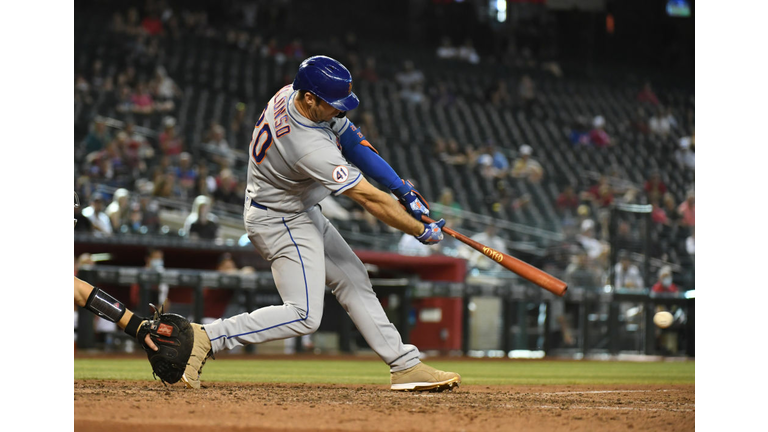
[558, 131]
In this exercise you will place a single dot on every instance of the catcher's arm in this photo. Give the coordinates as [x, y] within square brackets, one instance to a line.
[105, 306]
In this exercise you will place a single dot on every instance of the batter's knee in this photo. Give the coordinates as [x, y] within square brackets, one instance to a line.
[311, 323]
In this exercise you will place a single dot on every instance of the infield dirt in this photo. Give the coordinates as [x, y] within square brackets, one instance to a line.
[128, 406]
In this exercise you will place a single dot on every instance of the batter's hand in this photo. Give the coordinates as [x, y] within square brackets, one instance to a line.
[411, 200]
[433, 233]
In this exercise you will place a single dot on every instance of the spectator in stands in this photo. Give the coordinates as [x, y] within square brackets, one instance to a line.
[133, 224]
[239, 128]
[451, 211]
[154, 260]
[498, 95]
[626, 238]
[167, 92]
[654, 187]
[218, 146]
[598, 136]
[186, 175]
[152, 24]
[97, 138]
[124, 103]
[368, 73]
[331, 209]
[468, 53]
[206, 182]
[626, 274]
[411, 81]
[118, 210]
[410, 246]
[526, 91]
[630, 196]
[82, 90]
[581, 272]
[639, 122]
[142, 101]
[149, 213]
[580, 128]
[660, 123]
[647, 95]
[600, 194]
[665, 284]
[200, 223]
[101, 169]
[526, 167]
[165, 186]
[369, 125]
[567, 201]
[170, 143]
[442, 96]
[596, 250]
[500, 161]
[490, 238]
[686, 155]
[670, 208]
[137, 146]
[658, 215]
[102, 226]
[690, 243]
[446, 50]
[687, 210]
[227, 190]
[83, 224]
[295, 50]
[492, 162]
[452, 154]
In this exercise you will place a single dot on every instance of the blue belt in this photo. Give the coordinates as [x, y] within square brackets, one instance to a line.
[257, 205]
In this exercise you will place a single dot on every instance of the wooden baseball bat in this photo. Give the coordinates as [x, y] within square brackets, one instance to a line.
[520, 268]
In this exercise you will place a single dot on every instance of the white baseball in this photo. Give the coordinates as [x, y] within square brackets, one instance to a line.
[663, 319]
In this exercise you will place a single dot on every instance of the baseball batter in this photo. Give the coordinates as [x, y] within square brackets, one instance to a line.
[304, 149]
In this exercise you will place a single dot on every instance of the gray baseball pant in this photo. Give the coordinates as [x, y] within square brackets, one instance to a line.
[306, 253]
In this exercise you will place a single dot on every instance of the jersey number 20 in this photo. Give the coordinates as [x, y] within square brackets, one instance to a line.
[262, 140]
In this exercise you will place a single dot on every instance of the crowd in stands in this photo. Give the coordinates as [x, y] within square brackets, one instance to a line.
[147, 166]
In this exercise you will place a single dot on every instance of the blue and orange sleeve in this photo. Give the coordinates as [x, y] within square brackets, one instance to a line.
[364, 156]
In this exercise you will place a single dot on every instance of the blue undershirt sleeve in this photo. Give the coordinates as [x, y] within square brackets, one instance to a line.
[361, 153]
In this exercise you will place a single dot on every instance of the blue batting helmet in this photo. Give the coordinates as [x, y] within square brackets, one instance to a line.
[327, 79]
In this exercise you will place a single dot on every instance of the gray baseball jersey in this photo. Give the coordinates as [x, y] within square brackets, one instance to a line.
[294, 164]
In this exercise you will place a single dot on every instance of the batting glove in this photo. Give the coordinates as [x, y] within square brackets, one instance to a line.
[411, 200]
[433, 233]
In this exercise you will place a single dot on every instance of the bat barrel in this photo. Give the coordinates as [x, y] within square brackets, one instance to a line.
[520, 268]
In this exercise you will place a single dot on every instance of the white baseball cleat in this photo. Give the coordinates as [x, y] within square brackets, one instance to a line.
[424, 378]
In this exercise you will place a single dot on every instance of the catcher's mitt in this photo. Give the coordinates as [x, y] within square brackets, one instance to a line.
[174, 338]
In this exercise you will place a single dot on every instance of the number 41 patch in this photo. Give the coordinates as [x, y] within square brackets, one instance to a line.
[340, 174]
